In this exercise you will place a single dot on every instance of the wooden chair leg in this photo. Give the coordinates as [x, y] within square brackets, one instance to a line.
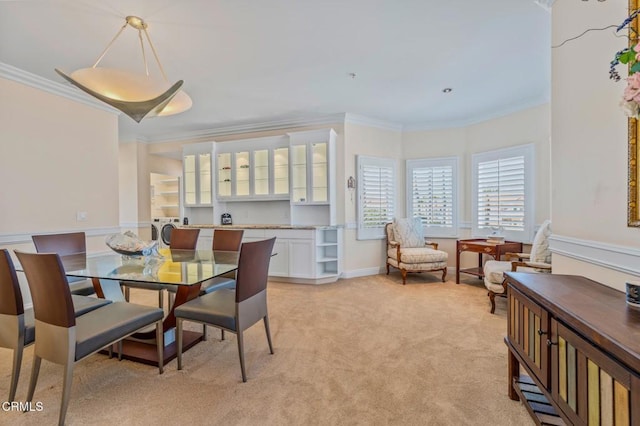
[444, 275]
[387, 268]
[404, 276]
[492, 299]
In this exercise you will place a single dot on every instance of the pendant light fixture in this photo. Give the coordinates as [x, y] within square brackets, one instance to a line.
[138, 95]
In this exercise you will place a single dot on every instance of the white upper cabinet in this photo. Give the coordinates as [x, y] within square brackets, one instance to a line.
[253, 169]
[312, 168]
[197, 174]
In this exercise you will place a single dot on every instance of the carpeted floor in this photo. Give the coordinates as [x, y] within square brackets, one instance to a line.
[364, 351]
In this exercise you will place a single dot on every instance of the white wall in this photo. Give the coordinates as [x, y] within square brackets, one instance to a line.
[521, 127]
[589, 147]
[57, 157]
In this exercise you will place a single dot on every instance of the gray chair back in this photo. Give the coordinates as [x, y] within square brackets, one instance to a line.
[253, 268]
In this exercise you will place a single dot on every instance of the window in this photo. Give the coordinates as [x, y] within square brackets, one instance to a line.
[376, 195]
[432, 194]
[503, 193]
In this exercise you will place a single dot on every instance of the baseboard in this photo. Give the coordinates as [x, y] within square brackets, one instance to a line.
[618, 258]
[365, 272]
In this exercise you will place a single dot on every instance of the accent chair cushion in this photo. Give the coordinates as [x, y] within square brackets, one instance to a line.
[409, 232]
[418, 255]
[540, 251]
[494, 274]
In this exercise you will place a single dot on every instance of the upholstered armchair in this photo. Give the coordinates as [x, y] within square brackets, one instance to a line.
[539, 260]
[409, 251]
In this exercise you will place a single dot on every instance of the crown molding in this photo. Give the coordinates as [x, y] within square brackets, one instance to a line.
[233, 129]
[32, 80]
[452, 124]
[372, 122]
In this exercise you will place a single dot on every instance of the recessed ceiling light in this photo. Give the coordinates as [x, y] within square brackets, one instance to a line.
[447, 90]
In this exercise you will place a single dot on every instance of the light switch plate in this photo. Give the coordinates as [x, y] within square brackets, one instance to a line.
[81, 216]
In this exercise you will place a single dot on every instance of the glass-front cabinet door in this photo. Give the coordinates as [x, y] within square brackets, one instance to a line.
[319, 173]
[189, 165]
[224, 174]
[281, 171]
[197, 179]
[204, 167]
[261, 172]
[242, 169]
[299, 173]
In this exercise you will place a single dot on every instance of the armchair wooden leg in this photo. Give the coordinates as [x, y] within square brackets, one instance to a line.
[387, 268]
[492, 299]
[444, 275]
[404, 276]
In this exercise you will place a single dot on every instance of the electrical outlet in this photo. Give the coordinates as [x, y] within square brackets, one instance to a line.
[81, 216]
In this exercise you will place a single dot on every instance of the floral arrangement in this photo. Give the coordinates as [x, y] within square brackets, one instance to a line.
[629, 56]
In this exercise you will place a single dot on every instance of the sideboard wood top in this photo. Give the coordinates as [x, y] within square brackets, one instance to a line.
[598, 312]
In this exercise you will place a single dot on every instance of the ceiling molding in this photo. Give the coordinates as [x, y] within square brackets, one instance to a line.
[452, 124]
[233, 129]
[32, 80]
[372, 122]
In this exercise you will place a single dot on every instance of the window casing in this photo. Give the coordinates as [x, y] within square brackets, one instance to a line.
[376, 195]
[503, 193]
[432, 194]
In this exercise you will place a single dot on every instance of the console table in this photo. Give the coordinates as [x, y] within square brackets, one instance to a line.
[579, 342]
[482, 246]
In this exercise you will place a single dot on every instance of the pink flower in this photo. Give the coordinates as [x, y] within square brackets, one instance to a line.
[632, 91]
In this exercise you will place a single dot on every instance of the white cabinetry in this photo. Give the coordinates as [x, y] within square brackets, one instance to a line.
[197, 176]
[303, 255]
[313, 177]
[253, 169]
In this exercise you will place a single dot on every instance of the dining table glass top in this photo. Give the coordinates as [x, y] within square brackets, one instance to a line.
[177, 267]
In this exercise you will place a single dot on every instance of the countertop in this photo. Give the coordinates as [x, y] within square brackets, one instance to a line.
[209, 226]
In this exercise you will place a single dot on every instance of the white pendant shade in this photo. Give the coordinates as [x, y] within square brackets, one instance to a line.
[131, 87]
[138, 95]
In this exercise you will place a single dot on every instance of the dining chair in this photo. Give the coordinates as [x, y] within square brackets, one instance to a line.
[223, 240]
[71, 243]
[237, 309]
[17, 325]
[181, 239]
[64, 339]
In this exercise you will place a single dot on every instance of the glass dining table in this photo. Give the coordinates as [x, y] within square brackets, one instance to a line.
[184, 269]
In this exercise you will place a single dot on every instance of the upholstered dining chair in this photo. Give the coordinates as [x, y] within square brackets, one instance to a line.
[410, 251]
[224, 240]
[181, 239]
[236, 309]
[538, 260]
[64, 339]
[17, 325]
[65, 244]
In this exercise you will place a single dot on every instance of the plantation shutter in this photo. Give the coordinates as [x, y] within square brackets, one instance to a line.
[431, 194]
[376, 196]
[501, 194]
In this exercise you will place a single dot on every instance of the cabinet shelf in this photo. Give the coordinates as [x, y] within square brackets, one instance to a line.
[326, 259]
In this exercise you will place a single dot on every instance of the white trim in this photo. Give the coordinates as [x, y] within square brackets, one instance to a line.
[371, 122]
[233, 129]
[7, 239]
[452, 124]
[135, 224]
[618, 258]
[364, 272]
[66, 91]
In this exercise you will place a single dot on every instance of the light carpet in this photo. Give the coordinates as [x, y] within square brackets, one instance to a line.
[366, 351]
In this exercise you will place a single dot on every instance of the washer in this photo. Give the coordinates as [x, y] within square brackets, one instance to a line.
[165, 233]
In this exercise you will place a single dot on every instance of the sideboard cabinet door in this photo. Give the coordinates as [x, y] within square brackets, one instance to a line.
[528, 332]
[589, 386]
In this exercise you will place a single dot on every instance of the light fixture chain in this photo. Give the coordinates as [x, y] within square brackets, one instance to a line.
[106, 49]
[155, 54]
[144, 55]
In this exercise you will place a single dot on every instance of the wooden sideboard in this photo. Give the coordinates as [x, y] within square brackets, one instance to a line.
[580, 344]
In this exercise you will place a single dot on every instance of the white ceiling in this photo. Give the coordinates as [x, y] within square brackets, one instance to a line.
[252, 61]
